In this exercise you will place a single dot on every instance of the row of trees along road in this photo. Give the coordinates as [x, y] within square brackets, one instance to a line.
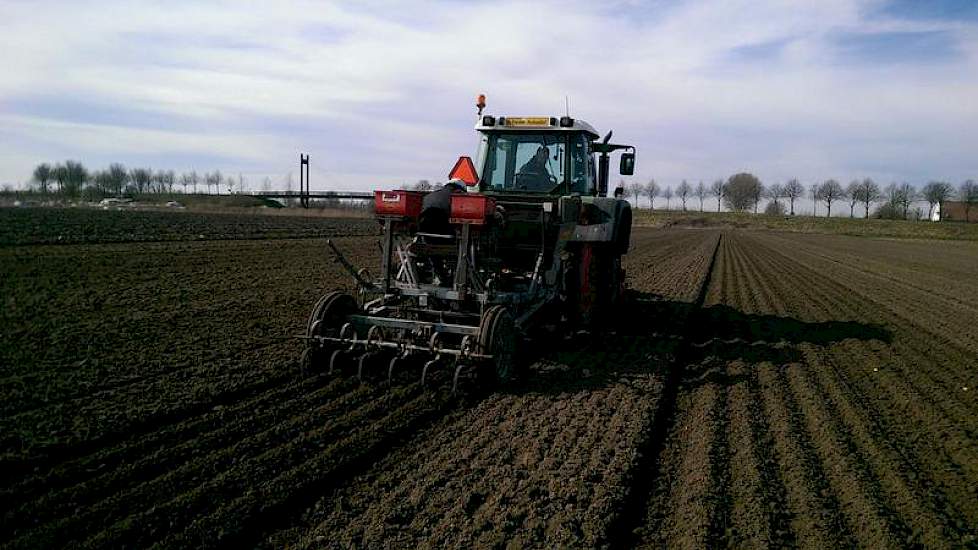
[743, 193]
[739, 193]
[72, 180]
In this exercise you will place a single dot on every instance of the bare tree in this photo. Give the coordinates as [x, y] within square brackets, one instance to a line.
[266, 184]
[158, 181]
[242, 183]
[936, 192]
[718, 189]
[816, 196]
[829, 192]
[185, 181]
[99, 181]
[774, 208]
[968, 194]
[141, 178]
[757, 193]
[743, 191]
[869, 193]
[75, 178]
[423, 185]
[60, 175]
[652, 189]
[700, 193]
[667, 194]
[907, 194]
[683, 191]
[793, 190]
[118, 178]
[891, 193]
[636, 190]
[42, 175]
[853, 193]
[774, 194]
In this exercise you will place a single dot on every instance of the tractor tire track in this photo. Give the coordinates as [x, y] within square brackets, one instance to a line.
[643, 516]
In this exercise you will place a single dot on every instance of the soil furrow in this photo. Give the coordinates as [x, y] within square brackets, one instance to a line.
[180, 465]
[815, 511]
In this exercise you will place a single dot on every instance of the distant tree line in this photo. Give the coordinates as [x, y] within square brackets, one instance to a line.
[744, 192]
[741, 192]
[70, 179]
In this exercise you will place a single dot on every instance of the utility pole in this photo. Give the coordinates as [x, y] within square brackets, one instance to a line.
[304, 180]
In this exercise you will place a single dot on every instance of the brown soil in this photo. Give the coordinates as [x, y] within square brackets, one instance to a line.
[762, 389]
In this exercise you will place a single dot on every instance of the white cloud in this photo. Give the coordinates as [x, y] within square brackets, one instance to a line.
[382, 92]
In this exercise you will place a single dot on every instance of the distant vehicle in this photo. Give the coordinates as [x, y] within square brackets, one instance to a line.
[114, 202]
[174, 204]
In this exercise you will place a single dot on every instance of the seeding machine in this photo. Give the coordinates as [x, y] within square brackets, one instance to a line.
[521, 237]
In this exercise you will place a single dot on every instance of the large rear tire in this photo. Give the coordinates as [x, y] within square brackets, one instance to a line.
[600, 285]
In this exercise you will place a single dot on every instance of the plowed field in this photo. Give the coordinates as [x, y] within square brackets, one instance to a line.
[763, 389]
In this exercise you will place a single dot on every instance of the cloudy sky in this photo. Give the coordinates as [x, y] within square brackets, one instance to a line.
[382, 93]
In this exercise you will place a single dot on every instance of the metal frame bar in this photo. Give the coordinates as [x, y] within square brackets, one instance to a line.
[411, 324]
[385, 265]
[353, 342]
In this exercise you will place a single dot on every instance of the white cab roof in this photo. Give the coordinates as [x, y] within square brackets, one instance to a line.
[533, 124]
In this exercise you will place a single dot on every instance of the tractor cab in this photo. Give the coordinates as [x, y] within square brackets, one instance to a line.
[543, 173]
[544, 156]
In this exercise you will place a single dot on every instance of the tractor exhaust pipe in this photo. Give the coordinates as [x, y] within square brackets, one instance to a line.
[603, 175]
[603, 168]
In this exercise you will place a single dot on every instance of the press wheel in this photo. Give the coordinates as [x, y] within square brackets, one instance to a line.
[328, 315]
[498, 337]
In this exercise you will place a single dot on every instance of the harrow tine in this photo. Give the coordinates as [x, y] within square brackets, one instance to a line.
[364, 362]
[306, 362]
[458, 370]
[390, 370]
[363, 358]
[394, 361]
[424, 372]
[332, 360]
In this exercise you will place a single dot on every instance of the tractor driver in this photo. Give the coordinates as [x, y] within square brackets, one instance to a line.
[533, 175]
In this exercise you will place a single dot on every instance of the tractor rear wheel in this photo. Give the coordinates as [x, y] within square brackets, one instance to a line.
[601, 284]
[498, 337]
[326, 319]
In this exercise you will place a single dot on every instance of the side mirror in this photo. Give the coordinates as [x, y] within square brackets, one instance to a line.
[627, 166]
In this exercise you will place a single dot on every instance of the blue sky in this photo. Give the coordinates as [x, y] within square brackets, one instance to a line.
[381, 93]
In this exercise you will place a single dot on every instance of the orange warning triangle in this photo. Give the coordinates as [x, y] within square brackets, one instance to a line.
[464, 170]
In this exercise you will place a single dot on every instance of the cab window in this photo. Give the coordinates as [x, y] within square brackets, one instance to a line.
[525, 161]
[581, 166]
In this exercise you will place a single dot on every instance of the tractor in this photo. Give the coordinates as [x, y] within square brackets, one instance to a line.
[522, 237]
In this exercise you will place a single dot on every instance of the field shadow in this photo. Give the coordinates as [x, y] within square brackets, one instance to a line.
[655, 333]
